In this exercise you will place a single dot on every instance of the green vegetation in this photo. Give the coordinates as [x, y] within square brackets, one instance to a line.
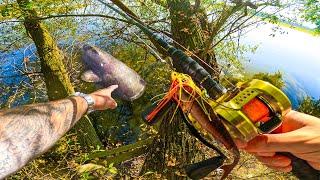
[98, 147]
[311, 12]
[275, 78]
[306, 11]
[310, 106]
[287, 24]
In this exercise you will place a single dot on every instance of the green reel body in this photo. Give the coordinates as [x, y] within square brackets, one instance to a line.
[233, 108]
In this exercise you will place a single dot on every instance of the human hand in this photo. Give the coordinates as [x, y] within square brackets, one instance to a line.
[103, 99]
[300, 136]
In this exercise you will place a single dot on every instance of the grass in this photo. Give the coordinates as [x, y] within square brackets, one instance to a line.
[64, 162]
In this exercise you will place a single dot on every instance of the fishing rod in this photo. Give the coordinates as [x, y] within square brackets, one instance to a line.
[202, 78]
[182, 62]
[254, 107]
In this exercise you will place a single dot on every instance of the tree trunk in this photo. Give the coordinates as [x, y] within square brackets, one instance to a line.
[175, 147]
[55, 74]
[190, 28]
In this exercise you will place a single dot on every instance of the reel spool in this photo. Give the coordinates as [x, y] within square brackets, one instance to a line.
[255, 108]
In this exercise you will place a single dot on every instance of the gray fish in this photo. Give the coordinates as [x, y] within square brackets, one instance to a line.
[105, 70]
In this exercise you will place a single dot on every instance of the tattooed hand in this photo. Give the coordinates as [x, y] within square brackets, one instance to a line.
[28, 131]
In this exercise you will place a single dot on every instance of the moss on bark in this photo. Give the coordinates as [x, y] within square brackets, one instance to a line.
[56, 78]
[175, 147]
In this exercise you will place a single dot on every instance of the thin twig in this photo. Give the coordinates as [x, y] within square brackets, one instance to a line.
[24, 74]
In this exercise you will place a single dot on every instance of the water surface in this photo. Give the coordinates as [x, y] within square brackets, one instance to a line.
[293, 52]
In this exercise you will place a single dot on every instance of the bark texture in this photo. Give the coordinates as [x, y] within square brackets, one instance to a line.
[191, 29]
[175, 147]
[56, 78]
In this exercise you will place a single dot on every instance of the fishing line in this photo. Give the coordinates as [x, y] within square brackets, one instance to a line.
[154, 51]
[144, 28]
[190, 52]
[197, 57]
[132, 19]
[185, 80]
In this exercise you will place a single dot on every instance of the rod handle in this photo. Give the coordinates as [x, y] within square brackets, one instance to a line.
[301, 168]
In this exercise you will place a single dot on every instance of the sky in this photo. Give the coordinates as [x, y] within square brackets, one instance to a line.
[292, 11]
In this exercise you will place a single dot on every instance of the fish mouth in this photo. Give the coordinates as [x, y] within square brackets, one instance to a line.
[138, 95]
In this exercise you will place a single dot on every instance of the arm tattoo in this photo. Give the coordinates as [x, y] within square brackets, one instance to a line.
[29, 131]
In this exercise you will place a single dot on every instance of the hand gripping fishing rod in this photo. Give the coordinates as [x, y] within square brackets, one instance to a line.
[256, 107]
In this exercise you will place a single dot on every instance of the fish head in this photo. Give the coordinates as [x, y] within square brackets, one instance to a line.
[92, 57]
[105, 70]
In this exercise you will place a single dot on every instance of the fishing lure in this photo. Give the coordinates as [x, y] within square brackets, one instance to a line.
[201, 121]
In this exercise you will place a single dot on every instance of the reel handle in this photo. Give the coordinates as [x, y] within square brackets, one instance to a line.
[301, 169]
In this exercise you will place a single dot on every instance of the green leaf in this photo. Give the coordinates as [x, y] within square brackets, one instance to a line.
[111, 165]
[6, 10]
[113, 170]
[88, 168]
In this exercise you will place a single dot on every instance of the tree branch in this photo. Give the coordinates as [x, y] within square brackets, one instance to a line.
[82, 15]
[225, 15]
[14, 21]
[24, 74]
[124, 8]
[70, 15]
[246, 20]
[197, 4]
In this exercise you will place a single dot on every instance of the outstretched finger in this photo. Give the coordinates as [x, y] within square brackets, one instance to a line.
[112, 88]
[106, 91]
[111, 103]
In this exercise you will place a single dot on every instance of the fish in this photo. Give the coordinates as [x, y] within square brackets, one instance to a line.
[105, 70]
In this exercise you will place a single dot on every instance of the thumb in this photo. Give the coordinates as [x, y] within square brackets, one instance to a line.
[112, 104]
[284, 142]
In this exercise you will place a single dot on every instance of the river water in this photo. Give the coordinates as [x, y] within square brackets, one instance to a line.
[292, 52]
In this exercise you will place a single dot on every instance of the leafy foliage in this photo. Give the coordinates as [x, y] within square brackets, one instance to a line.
[231, 55]
[312, 11]
[275, 79]
[11, 9]
[310, 106]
